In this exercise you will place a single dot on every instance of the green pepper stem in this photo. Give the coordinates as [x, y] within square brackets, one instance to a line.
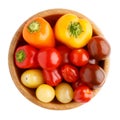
[75, 29]
[33, 26]
[20, 56]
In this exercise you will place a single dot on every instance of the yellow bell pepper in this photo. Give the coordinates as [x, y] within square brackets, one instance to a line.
[73, 31]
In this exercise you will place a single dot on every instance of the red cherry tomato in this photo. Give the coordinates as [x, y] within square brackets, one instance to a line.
[49, 58]
[64, 51]
[52, 77]
[82, 94]
[79, 57]
[69, 73]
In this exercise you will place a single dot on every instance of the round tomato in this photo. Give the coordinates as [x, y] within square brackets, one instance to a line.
[64, 93]
[79, 57]
[45, 93]
[69, 73]
[64, 51]
[92, 75]
[98, 48]
[49, 58]
[52, 77]
[82, 94]
[32, 78]
[38, 32]
[76, 84]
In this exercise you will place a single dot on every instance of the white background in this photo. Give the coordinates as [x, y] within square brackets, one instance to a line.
[106, 105]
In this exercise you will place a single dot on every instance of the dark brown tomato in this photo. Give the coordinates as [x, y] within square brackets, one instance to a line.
[76, 84]
[92, 75]
[98, 48]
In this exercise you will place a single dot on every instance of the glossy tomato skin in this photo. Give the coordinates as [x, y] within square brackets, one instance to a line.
[26, 57]
[38, 33]
[73, 31]
[79, 57]
[49, 58]
[98, 48]
[64, 51]
[64, 92]
[52, 77]
[92, 75]
[82, 94]
[32, 78]
[69, 73]
[45, 93]
[76, 84]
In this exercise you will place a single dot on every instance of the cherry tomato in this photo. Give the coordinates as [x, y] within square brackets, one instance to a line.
[32, 78]
[76, 84]
[92, 75]
[98, 48]
[52, 77]
[64, 92]
[79, 57]
[45, 93]
[49, 58]
[82, 94]
[64, 51]
[69, 73]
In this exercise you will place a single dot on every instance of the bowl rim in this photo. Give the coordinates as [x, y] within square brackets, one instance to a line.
[12, 69]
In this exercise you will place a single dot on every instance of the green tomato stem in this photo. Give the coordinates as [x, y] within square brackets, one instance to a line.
[75, 29]
[33, 26]
[20, 56]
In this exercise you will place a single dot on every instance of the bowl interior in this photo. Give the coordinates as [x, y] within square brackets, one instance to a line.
[51, 16]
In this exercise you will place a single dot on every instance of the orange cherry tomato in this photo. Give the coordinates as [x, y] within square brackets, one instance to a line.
[38, 32]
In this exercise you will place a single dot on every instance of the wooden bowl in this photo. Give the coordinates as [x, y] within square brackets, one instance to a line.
[51, 16]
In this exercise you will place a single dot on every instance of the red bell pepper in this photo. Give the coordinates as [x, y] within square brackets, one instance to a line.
[25, 57]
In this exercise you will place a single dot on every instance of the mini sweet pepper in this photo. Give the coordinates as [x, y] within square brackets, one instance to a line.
[73, 31]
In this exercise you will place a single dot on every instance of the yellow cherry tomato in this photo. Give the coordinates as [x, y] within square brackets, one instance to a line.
[64, 93]
[45, 93]
[32, 78]
[73, 31]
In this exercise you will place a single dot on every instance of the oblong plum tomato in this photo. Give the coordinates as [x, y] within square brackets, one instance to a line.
[82, 94]
[98, 48]
[69, 73]
[49, 58]
[52, 77]
[79, 57]
[92, 75]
